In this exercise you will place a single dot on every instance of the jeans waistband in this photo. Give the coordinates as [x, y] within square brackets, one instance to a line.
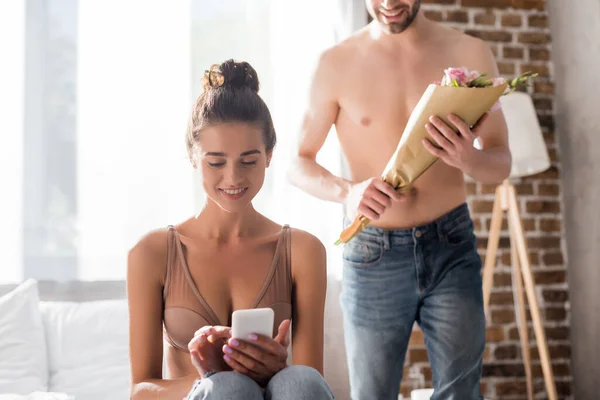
[457, 217]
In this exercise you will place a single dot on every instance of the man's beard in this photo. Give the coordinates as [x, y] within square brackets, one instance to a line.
[400, 26]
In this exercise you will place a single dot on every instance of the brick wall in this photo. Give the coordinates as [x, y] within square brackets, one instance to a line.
[518, 33]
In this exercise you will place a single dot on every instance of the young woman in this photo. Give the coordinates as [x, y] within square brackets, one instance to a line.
[185, 281]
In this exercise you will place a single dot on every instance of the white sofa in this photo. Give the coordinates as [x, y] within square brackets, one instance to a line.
[69, 340]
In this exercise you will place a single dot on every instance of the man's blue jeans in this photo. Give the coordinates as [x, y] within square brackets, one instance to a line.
[429, 274]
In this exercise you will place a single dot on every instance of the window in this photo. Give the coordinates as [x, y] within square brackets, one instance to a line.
[95, 101]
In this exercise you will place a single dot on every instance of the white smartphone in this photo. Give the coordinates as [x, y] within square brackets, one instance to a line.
[257, 320]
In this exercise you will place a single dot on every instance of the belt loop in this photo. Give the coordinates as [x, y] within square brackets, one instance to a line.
[440, 230]
[386, 239]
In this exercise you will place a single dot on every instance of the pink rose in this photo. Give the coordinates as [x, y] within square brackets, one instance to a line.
[454, 74]
[498, 81]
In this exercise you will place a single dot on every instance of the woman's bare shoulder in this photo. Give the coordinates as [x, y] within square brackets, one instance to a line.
[148, 257]
[308, 252]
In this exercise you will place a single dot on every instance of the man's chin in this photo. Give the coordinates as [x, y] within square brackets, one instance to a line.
[394, 28]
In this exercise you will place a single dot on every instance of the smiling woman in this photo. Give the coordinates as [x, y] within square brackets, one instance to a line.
[190, 277]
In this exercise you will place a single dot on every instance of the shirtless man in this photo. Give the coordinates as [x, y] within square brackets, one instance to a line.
[418, 260]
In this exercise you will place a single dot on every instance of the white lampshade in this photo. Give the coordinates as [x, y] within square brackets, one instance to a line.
[526, 141]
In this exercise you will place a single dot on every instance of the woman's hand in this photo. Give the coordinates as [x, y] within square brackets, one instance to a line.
[206, 349]
[259, 357]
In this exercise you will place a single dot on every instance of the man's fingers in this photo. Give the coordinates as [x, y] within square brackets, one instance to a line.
[437, 136]
[387, 189]
[378, 195]
[480, 122]
[461, 125]
[367, 212]
[432, 149]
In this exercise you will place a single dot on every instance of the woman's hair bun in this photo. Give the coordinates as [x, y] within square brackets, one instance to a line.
[231, 74]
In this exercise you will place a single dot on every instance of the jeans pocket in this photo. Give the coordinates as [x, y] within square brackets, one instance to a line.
[363, 252]
[461, 233]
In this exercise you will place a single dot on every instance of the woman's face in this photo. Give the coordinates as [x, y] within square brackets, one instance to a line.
[232, 160]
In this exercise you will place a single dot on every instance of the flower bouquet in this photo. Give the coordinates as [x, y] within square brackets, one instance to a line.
[468, 94]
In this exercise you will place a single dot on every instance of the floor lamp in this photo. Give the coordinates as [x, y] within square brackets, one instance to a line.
[530, 157]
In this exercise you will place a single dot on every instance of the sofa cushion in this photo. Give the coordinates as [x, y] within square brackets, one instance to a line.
[23, 363]
[88, 348]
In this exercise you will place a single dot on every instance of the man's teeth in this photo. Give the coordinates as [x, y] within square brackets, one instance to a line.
[233, 192]
[394, 14]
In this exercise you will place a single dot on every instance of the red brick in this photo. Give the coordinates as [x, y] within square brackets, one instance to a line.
[549, 136]
[501, 370]
[503, 243]
[488, 188]
[457, 16]
[418, 355]
[543, 87]
[550, 225]
[471, 188]
[427, 374]
[506, 352]
[543, 206]
[416, 338]
[534, 38]
[559, 370]
[534, 258]
[512, 387]
[548, 189]
[511, 20]
[485, 18]
[549, 277]
[482, 206]
[507, 68]
[513, 52]
[544, 242]
[529, 4]
[502, 279]
[503, 317]
[550, 173]
[543, 104]
[434, 15]
[553, 154]
[487, 3]
[494, 334]
[553, 258]
[555, 295]
[546, 121]
[555, 314]
[556, 351]
[540, 69]
[539, 54]
[557, 333]
[490, 36]
[524, 188]
[538, 21]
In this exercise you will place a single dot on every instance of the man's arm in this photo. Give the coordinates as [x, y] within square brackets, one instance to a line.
[492, 163]
[305, 172]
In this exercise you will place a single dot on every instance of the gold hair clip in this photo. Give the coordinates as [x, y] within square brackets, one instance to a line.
[213, 77]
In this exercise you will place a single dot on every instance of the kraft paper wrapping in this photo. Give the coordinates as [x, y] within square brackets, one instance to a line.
[411, 159]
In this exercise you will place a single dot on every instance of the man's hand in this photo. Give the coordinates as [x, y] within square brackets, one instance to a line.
[371, 198]
[455, 149]
[261, 357]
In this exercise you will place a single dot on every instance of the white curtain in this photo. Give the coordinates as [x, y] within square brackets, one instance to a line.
[133, 101]
[12, 84]
[139, 64]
